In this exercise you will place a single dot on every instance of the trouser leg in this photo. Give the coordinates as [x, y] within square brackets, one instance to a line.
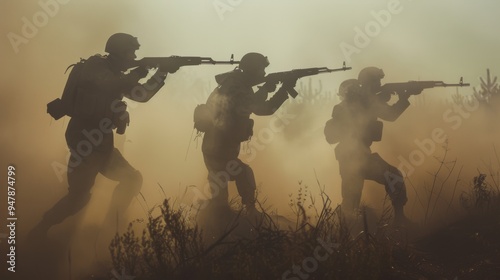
[245, 183]
[382, 172]
[352, 187]
[223, 170]
[218, 178]
[351, 172]
[81, 178]
[117, 168]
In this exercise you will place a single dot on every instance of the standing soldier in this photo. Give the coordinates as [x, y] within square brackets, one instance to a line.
[93, 99]
[355, 126]
[230, 106]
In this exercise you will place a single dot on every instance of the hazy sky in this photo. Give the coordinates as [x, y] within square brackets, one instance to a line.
[410, 40]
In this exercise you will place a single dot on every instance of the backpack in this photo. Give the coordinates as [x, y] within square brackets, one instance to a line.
[339, 126]
[203, 118]
[65, 105]
[331, 132]
[336, 127]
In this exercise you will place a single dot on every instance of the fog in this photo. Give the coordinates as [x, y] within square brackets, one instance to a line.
[420, 40]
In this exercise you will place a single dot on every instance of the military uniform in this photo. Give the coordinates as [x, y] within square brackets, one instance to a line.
[231, 104]
[357, 126]
[96, 111]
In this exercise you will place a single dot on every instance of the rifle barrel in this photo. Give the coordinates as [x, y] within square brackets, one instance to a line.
[457, 85]
[222, 62]
[337, 69]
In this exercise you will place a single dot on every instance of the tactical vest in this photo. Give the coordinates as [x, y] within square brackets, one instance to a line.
[65, 106]
[76, 100]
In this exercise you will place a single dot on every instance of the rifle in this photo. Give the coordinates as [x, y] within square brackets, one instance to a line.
[396, 87]
[165, 63]
[299, 73]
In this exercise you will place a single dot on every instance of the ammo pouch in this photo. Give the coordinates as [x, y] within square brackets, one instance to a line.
[375, 131]
[243, 130]
[120, 117]
[56, 109]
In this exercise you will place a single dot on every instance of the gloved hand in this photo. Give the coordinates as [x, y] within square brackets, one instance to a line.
[160, 75]
[140, 71]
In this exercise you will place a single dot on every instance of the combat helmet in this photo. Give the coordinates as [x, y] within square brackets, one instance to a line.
[348, 88]
[119, 43]
[251, 62]
[369, 75]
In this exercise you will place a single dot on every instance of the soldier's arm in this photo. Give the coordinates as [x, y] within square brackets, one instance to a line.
[263, 92]
[144, 92]
[268, 107]
[392, 112]
[97, 74]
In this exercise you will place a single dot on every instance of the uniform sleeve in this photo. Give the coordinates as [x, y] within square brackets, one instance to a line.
[391, 112]
[268, 107]
[144, 92]
[261, 95]
[98, 75]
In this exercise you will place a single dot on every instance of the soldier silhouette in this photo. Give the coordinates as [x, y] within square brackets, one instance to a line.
[93, 99]
[355, 126]
[230, 106]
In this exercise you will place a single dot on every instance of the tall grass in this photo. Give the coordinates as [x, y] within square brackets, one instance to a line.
[172, 248]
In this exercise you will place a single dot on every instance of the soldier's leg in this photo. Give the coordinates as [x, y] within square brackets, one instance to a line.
[352, 188]
[81, 178]
[218, 178]
[245, 182]
[352, 184]
[117, 168]
[383, 173]
[352, 160]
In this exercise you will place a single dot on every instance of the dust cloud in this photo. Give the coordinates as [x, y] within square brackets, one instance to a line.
[423, 41]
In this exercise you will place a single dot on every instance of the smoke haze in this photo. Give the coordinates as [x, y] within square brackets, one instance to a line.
[425, 40]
